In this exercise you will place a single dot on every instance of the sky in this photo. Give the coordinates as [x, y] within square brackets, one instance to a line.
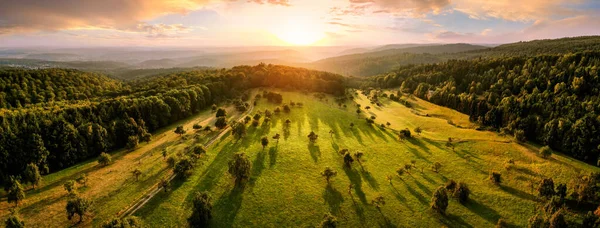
[233, 23]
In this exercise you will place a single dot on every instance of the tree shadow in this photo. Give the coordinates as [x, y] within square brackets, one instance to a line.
[370, 180]
[333, 198]
[387, 223]
[454, 221]
[356, 181]
[315, 151]
[399, 197]
[418, 143]
[227, 208]
[360, 211]
[258, 165]
[417, 195]
[483, 211]
[272, 156]
[519, 193]
[422, 187]
[418, 154]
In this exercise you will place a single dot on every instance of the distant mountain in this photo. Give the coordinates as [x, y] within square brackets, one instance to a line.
[55, 56]
[399, 46]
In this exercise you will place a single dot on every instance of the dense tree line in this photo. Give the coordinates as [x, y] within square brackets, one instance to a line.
[56, 135]
[551, 99]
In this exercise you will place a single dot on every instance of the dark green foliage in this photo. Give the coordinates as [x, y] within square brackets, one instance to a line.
[239, 168]
[450, 185]
[546, 188]
[286, 109]
[239, 130]
[439, 200]
[554, 204]
[221, 122]
[264, 141]
[328, 173]
[257, 116]
[312, 137]
[179, 130]
[76, 205]
[255, 123]
[590, 220]
[69, 186]
[348, 160]
[462, 192]
[32, 175]
[405, 133]
[15, 192]
[369, 121]
[545, 152]
[127, 222]
[329, 221]
[273, 97]
[496, 178]
[183, 167]
[501, 224]
[221, 113]
[132, 142]
[197, 126]
[104, 159]
[537, 221]
[13, 221]
[557, 220]
[201, 210]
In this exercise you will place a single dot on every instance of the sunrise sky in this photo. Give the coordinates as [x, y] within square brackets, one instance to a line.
[188, 23]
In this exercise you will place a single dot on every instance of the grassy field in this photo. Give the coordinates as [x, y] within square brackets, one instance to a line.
[287, 190]
[110, 188]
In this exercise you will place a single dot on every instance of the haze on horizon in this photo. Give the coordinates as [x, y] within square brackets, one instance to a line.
[201, 23]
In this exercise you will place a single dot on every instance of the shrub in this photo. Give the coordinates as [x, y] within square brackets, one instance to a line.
[462, 192]
[537, 221]
[255, 123]
[13, 221]
[561, 190]
[405, 133]
[495, 177]
[545, 152]
[546, 188]
[221, 122]
[221, 113]
[77, 205]
[104, 159]
[436, 166]
[201, 210]
[520, 136]
[69, 186]
[171, 161]
[183, 167]
[179, 130]
[439, 200]
[348, 160]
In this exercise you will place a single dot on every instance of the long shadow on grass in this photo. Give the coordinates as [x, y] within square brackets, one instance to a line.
[483, 211]
[356, 134]
[370, 180]
[356, 181]
[272, 156]
[519, 193]
[418, 143]
[227, 207]
[422, 187]
[333, 198]
[315, 151]
[257, 167]
[155, 202]
[399, 197]
[416, 194]
[454, 221]
[416, 152]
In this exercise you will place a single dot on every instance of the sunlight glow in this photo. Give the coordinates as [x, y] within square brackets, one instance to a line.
[299, 31]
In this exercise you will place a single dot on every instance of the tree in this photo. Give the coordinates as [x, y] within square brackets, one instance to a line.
[76, 205]
[358, 112]
[288, 122]
[82, 180]
[207, 128]
[13, 221]
[545, 152]
[264, 141]
[201, 210]
[197, 126]
[276, 137]
[239, 168]
[286, 108]
[449, 143]
[221, 122]
[561, 190]
[558, 220]
[439, 200]
[136, 173]
[15, 193]
[404, 134]
[127, 222]
[329, 221]
[462, 192]
[164, 154]
[312, 137]
[358, 156]
[368, 107]
[32, 175]
[418, 130]
[501, 224]
[328, 173]
[351, 125]
[331, 132]
[183, 167]
[257, 116]
[400, 172]
[495, 177]
[104, 159]
[247, 119]
[239, 130]
[69, 186]
[164, 184]
[132, 142]
[179, 130]
[378, 202]
[388, 124]
[221, 113]
[213, 107]
[546, 188]
[436, 167]
[348, 160]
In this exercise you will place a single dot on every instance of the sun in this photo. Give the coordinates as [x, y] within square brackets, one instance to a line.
[299, 31]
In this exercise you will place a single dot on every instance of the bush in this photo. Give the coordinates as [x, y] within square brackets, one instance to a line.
[77, 205]
[197, 126]
[255, 123]
[221, 113]
[405, 133]
[546, 188]
[201, 211]
[104, 159]
[462, 192]
[495, 177]
[221, 122]
[439, 200]
[520, 136]
[545, 152]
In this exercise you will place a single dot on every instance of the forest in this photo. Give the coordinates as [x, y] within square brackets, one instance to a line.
[54, 118]
[547, 99]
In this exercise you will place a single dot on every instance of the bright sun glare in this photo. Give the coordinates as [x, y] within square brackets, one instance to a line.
[299, 31]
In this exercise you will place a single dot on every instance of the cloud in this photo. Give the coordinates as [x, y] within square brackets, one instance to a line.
[415, 7]
[525, 10]
[18, 16]
[274, 2]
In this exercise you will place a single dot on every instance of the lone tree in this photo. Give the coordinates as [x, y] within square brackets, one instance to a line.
[164, 184]
[462, 192]
[257, 116]
[197, 127]
[329, 221]
[13, 221]
[69, 186]
[247, 119]
[183, 167]
[104, 159]
[545, 152]
[331, 132]
[439, 200]
[358, 156]
[418, 130]
[201, 211]
[239, 130]
[240, 168]
[82, 180]
[546, 188]
[348, 160]
[400, 172]
[136, 173]
[77, 205]
[32, 175]
[358, 113]
[221, 113]
[368, 107]
[221, 122]
[312, 137]
[288, 122]
[276, 137]
[129, 221]
[351, 125]
[496, 178]
[328, 173]
[179, 130]
[264, 141]
[378, 202]
[15, 192]
[436, 167]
